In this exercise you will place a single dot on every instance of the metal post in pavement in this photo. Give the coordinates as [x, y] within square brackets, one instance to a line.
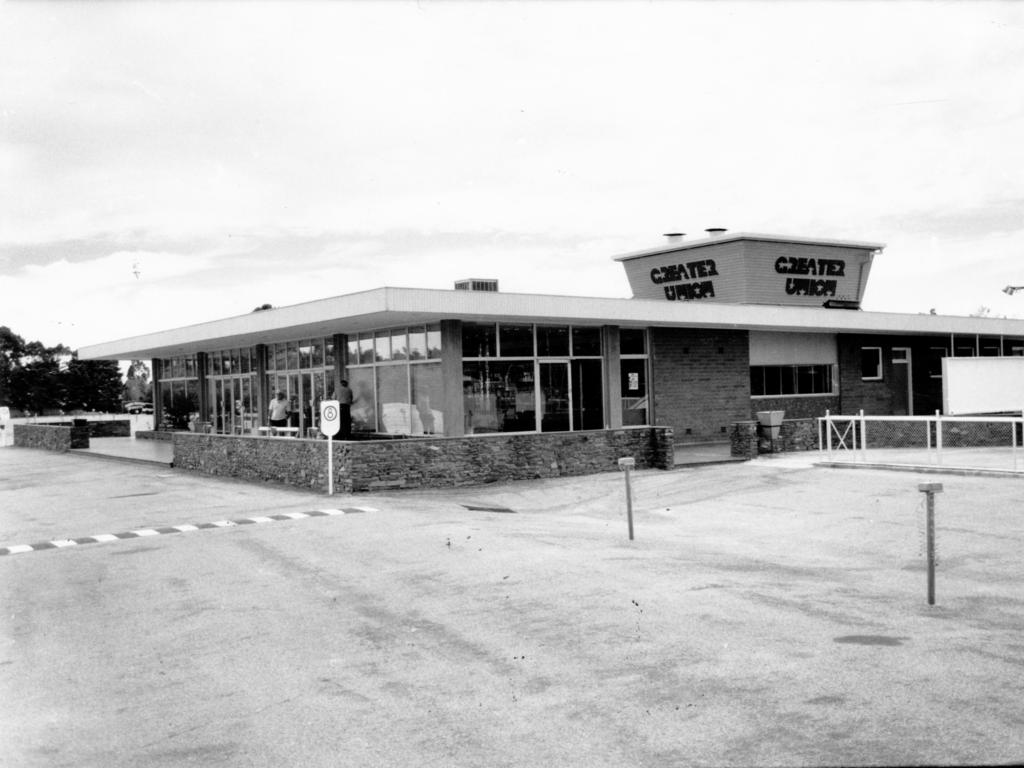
[930, 489]
[625, 465]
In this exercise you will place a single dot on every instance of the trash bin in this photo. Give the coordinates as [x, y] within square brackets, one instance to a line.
[771, 422]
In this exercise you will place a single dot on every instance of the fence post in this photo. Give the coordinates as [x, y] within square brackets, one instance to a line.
[828, 433]
[938, 437]
[1013, 440]
[863, 438]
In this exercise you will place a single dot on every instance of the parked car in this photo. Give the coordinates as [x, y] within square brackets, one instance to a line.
[138, 407]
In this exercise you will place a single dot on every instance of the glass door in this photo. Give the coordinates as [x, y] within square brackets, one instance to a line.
[587, 395]
[553, 408]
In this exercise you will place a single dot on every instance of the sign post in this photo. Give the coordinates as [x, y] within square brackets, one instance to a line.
[330, 420]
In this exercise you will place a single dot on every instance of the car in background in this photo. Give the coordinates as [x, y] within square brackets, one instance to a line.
[138, 407]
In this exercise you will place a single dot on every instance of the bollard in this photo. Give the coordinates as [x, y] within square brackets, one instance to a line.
[930, 489]
[625, 465]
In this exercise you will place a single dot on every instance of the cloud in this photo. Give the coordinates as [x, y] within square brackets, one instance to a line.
[285, 151]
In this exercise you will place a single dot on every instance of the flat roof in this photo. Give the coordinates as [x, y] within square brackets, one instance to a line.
[682, 245]
[393, 307]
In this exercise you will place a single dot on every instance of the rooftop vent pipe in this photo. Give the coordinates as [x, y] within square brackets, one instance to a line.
[675, 237]
[716, 231]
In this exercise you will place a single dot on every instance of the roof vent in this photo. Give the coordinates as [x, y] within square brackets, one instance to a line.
[716, 231]
[477, 284]
[675, 237]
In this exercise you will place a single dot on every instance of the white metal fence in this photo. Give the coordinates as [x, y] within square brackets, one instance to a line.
[951, 442]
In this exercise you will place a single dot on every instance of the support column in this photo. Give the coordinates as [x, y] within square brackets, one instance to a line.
[204, 394]
[341, 361]
[262, 395]
[612, 377]
[158, 395]
[451, 375]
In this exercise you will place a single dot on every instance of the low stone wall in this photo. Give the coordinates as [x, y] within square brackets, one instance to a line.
[749, 439]
[368, 465]
[153, 434]
[48, 438]
[119, 428]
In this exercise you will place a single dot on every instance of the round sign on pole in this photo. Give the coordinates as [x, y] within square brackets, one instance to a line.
[330, 417]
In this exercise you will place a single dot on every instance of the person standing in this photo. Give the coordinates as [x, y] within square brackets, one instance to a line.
[344, 411]
[279, 411]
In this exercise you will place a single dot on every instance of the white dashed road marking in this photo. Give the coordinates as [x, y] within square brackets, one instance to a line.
[102, 538]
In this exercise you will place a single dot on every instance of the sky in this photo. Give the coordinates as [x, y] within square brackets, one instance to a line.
[169, 163]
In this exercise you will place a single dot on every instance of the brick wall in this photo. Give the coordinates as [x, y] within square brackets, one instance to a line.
[421, 462]
[701, 381]
[48, 438]
[887, 396]
[796, 407]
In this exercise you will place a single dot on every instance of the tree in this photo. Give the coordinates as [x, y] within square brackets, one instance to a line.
[36, 378]
[92, 385]
[30, 373]
[137, 386]
[11, 348]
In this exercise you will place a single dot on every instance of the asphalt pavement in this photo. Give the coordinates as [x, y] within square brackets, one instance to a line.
[767, 613]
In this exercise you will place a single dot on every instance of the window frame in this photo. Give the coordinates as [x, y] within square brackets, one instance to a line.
[879, 369]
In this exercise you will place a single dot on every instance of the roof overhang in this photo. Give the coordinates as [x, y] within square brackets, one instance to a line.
[393, 307]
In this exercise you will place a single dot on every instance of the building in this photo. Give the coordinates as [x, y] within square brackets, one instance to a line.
[718, 329]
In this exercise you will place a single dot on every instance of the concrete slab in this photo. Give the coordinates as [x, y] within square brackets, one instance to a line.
[157, 452]
[768, 613]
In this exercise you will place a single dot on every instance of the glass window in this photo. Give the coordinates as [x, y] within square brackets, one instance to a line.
[394, 414]
[244, 359]
[632, 341]
[399, 345]
[417, 344]
[328, 353]
[305, 354]
[479, 340]
[935, 355]
[552, 341]
[434, 342]
[871, 363]
[515, 340]
[775, 380]
[365, 348]
[427, 399]
[280, 357]
[318, 353]
[586, 341]
[353, 349]
[498, 397]
[382, 346]
[215, 363]
[293, 355]
[364, 399]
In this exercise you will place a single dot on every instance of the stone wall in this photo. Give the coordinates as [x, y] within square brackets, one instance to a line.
[48, 438]
[749, 439]
[118, 428]
[370, 465]
[153, 434]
